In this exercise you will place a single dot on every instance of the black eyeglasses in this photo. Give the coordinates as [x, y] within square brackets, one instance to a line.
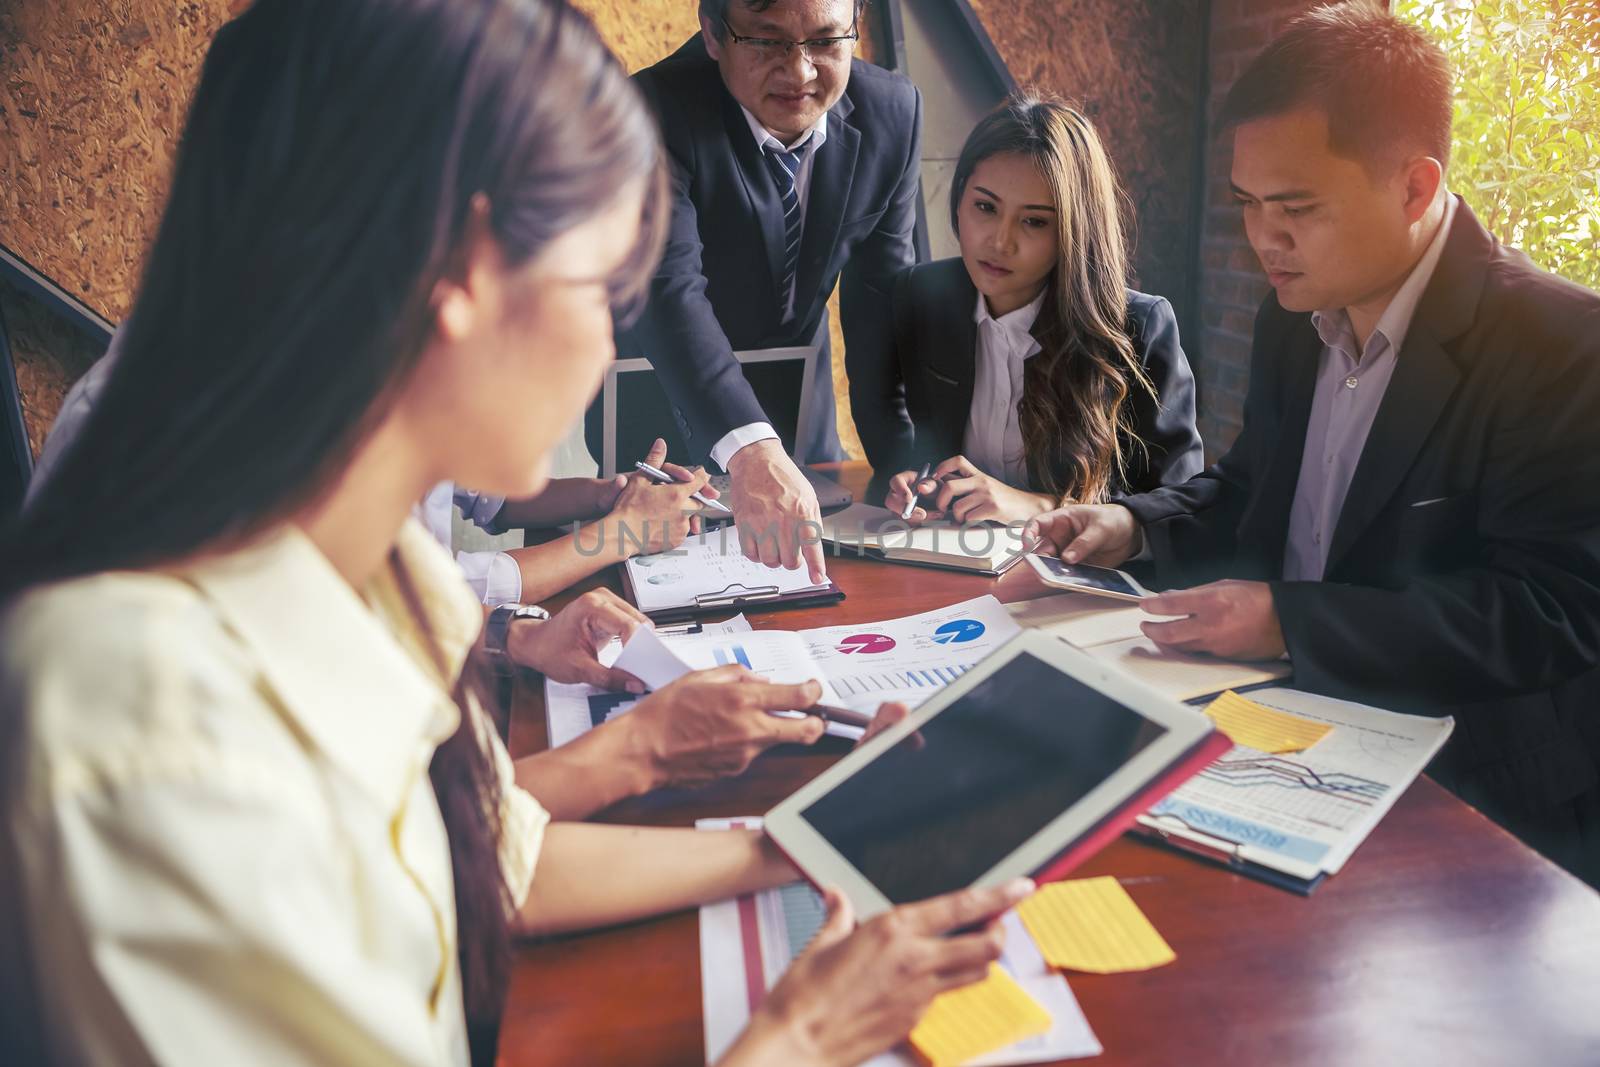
[816, 50]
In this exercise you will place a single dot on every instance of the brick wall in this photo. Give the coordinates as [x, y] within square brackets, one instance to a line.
[1231, 284]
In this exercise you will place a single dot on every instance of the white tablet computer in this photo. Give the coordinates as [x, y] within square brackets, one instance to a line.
[1087, 578]
[994, 778]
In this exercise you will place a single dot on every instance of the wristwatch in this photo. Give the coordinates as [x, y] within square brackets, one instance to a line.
[497, 630]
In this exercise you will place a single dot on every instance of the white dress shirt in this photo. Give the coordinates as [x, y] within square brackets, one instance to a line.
[993, 438]
[229, 847]
[1351, 382]
[494, 576]
[813, 139]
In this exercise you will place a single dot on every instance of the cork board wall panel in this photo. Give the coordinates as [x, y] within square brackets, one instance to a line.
[1134, 68]
[92, 97]
[641, 32]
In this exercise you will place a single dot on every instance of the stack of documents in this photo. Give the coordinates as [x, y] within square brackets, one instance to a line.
[1109, 631]
[1293, 818]
[747, 943]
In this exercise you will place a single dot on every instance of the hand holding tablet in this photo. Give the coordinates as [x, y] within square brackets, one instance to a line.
[1033, 760]
[884, 974]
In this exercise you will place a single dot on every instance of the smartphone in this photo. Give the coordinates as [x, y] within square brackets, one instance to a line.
[1086, 578]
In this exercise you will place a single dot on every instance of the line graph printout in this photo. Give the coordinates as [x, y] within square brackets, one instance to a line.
[1306, 812]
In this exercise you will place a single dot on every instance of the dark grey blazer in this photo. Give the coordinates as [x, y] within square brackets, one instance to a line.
[1464, 574]
[936, 341]
[717, 287]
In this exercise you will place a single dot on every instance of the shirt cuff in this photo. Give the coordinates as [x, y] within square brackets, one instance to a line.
[495, 577]
[737, 438]
[480, 509]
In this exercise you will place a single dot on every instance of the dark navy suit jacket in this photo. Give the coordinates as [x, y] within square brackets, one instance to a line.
[1464, 573]
[717, 289]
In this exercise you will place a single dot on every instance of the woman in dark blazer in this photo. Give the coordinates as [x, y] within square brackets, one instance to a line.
[1033, 375]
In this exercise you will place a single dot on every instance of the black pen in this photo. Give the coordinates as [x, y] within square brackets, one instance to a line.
[842, 716]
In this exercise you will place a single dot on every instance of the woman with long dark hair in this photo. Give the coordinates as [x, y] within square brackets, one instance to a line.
[253, 809]
[1033, 374]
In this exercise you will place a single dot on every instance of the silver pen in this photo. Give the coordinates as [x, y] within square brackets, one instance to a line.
[661, 477]
[911, 505]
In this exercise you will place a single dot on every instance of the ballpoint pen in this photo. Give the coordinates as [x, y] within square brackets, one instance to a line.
[661, 477]
[911, 505]
[842, 716]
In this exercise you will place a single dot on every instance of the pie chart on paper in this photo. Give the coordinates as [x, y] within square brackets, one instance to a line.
[866, 644]
[958, 631]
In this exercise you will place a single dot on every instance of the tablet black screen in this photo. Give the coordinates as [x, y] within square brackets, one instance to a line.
[951, 800]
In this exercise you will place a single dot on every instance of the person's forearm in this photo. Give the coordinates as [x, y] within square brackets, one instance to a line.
[563, 500]
[591, 875]
[549, 568]
[589, 773]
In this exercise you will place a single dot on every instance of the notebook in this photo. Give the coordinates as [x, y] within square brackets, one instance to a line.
[878, 533]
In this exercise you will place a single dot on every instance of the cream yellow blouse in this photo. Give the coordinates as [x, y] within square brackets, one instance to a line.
[230, 849]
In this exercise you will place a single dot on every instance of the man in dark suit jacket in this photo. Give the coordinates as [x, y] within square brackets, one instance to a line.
[1412, 510]
[754, 252]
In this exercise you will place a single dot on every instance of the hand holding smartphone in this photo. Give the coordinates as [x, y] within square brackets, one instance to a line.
[1087, 578]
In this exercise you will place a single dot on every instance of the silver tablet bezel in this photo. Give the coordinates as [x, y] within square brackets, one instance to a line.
[1055, 582]
[825, 866]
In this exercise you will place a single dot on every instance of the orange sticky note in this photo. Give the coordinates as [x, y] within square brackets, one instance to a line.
[1093, 925]
[1262, 728]
[966, 1023]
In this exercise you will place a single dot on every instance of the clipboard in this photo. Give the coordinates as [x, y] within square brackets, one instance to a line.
[736, 596]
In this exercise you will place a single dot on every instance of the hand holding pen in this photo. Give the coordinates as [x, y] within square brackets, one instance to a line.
[956, 489]
[914, 489]
[661, 477]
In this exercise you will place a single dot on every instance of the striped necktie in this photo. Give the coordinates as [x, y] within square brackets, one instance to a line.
[785, 168]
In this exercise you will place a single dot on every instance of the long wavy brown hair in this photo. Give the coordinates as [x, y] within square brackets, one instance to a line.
[1076, 422]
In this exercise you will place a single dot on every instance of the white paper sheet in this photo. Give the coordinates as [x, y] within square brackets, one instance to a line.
[911, 658]
[860, 665]
[708, 564]
[1306, 812]
[572, 710]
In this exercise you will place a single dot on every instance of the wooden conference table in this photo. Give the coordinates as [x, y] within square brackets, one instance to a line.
[1443, 941]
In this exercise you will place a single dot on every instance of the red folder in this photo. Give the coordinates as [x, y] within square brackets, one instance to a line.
[1106, 831]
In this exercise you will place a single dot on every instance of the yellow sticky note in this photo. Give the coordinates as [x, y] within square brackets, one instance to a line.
[1262, 728]
[966, 1023]
[1093, 925]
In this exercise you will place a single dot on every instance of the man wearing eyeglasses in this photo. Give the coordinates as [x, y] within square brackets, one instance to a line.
[794, 168]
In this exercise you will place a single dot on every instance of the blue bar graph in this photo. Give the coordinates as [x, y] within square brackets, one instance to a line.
[732, 654]
[928, 678]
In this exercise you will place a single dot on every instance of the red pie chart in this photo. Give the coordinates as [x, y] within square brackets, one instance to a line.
[866, 643]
